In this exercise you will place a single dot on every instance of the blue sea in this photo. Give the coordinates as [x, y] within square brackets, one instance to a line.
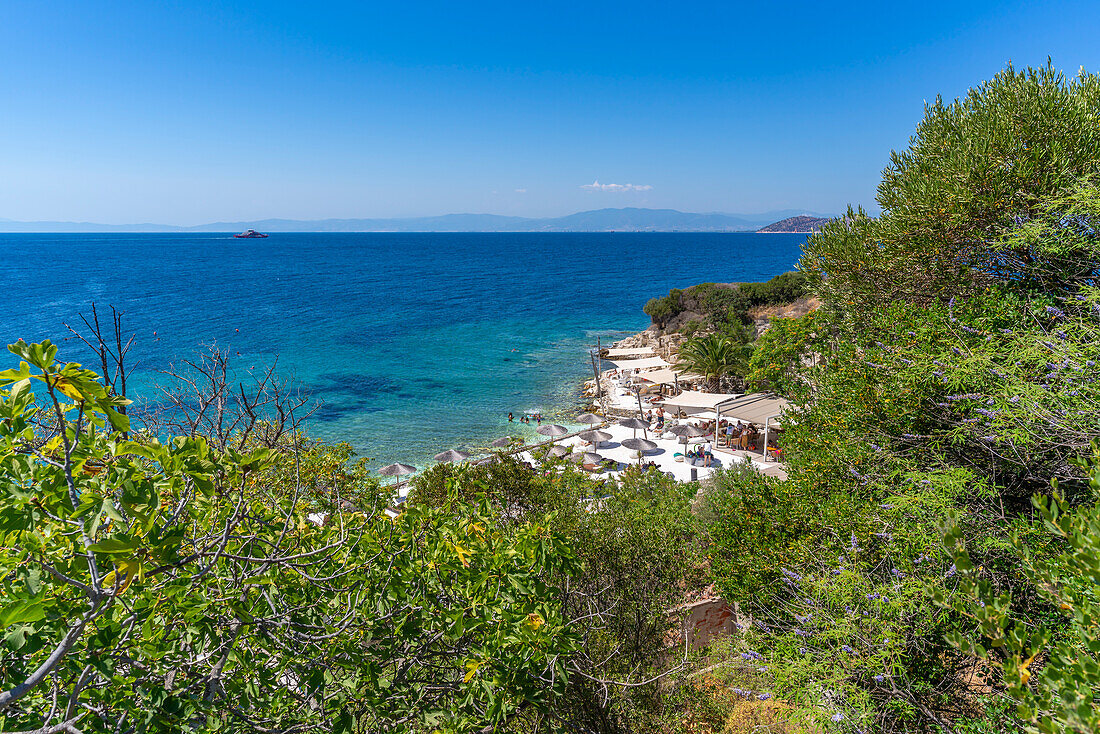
[412, 343]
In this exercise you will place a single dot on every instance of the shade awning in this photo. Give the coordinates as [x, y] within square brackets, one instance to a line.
[698, 400]
[630, 352]
[756, 407]
[666, 377]
[638, 364]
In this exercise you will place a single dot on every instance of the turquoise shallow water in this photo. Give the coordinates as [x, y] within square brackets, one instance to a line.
[413, 342]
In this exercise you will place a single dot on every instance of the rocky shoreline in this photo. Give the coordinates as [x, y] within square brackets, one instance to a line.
[666, 346]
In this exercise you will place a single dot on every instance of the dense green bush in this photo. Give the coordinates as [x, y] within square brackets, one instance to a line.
[507, 483]
[975, 169]
[665, 308]
[150, 586]
[781, 354]
[949, 373]
[725, 306]
[783, 288]
[1051, 665]
[638, 549]
[691, 328]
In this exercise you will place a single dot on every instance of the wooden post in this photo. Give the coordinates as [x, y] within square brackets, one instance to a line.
[596, 367]
[767, 422]
[596, 374]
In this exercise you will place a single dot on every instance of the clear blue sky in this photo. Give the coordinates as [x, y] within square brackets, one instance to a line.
[191, 112]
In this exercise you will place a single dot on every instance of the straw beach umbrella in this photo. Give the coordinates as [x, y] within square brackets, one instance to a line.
[640, 445]
[589, 419]
[595, 437]
[553, 431]
[397, 470]
[501, 442]
[451, 455]
[586, 457]
[558, 451]
[686, 431]
[635, 424]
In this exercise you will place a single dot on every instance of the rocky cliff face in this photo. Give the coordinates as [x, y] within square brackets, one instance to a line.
[762, 315]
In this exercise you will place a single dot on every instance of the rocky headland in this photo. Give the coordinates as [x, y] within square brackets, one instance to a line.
[795, 225]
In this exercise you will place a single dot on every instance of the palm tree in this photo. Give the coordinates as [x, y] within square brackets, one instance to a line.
[713, 357]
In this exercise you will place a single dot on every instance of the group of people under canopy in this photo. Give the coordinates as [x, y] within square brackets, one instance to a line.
[737, 434]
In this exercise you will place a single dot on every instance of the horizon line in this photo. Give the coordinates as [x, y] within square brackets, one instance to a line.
[748, 222]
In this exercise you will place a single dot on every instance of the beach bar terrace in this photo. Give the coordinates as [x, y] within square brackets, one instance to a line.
[759, 408]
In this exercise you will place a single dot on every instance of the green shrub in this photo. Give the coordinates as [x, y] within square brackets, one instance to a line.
[974, 170]
[664, 309]
[729, 305]
[638, 549]
[506, 483]
[691, 327]
[1051, 667]
[167, 586]
[949, 373]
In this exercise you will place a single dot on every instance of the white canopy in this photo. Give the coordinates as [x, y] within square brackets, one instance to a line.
[695, 400]
[638, 364]
[756, 407]
[666, 377]
[629, 352]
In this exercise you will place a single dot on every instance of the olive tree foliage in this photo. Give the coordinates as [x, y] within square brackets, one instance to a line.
[782, 353]
[974, 169]
[150, 585]
[950, 372]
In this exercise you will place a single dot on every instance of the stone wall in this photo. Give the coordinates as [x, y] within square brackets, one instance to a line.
[704, 620]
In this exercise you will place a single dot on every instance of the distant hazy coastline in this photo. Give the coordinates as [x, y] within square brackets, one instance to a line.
[598, 220]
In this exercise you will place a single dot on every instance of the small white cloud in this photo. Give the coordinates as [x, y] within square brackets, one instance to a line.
[597, 186]
[521, 191]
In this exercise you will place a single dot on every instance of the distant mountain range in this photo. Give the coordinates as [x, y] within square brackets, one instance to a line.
[598, 220]
[800, 223]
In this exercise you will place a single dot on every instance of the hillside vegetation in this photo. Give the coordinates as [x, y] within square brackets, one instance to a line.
[913, 571]
[722, 306]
